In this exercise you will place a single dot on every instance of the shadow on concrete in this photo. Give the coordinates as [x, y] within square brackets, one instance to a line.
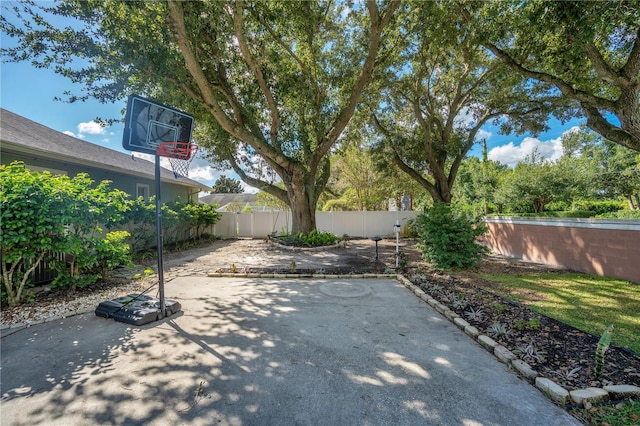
[265, 352]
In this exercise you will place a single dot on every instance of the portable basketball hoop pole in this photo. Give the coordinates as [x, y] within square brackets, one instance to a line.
[147, 125]
[159, 238]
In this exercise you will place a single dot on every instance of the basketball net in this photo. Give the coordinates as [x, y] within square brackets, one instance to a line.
[180, 155]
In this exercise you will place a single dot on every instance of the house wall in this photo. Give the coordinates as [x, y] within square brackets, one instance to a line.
[121, 181]
[604, 247]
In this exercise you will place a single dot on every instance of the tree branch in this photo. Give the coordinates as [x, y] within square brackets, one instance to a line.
[257, 72]
[176, 14]
[378, 23]
[605, 72]
[631, 69]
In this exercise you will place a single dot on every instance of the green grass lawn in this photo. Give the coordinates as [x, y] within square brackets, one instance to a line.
[587, 302]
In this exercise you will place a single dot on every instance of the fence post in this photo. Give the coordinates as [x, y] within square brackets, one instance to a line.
[364, 222]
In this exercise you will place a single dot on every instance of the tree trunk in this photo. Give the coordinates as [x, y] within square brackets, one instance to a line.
[538, 206]
[303, 196]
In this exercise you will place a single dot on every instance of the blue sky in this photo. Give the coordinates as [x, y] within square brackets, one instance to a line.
[30, 92]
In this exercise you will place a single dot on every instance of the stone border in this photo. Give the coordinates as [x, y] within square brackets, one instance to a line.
[558, 394]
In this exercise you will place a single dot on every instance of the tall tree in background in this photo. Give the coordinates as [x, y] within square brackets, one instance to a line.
[279, 80]
[612, 170]
[588, 50]
[225, 185]
[444, 88]
[480, 181]
[537, 182]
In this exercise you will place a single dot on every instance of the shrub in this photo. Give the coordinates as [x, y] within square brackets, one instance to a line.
[43, 214]
[597, 207]
[622, 214]
[113, 251]
[199, 216]
[180, 222]
[312, 239]
[449, 240]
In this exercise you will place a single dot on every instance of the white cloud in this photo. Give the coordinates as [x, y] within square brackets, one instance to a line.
[203, 173]
[512, 154]
[91, 127]
[483, 134]
[70, 133]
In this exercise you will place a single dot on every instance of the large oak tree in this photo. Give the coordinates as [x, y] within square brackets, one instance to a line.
[444, 89]
[279, 80]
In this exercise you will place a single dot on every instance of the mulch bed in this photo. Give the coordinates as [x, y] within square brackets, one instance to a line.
[564, 354]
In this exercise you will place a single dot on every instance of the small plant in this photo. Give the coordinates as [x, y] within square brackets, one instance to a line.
[30, 297]
[499, 307]
[474, 315]
[145, 274]
[459, 303]
[529, 352]
[519, 324]
[403, 261]
[234, 268]
[534, 323]
[436, 288]
[498, 329]
[292, 267]
[572, 373]
[603, 345]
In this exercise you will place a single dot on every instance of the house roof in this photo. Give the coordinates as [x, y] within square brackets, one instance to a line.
[21, 135]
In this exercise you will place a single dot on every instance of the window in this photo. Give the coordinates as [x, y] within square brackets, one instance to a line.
[142, 190]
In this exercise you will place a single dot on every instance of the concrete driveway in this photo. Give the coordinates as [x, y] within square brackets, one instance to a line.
[266, 352]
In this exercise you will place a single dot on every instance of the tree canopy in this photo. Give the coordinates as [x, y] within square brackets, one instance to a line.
[279, 80]
[225, 185]
[588, 50]
[274, 85]
[443, 89]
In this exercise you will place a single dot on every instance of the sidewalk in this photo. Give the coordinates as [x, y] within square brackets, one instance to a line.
[266, 352]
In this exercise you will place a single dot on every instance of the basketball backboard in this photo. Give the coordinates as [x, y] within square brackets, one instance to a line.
[148, 123]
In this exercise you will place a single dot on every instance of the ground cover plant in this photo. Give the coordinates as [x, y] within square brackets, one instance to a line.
[620, 414]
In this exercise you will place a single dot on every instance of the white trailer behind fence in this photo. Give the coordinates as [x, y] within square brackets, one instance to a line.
[362, 224]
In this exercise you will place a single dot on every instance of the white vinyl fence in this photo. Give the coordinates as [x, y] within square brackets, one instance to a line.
[354, 224]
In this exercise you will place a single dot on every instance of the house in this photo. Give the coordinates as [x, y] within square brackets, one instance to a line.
[42, 148]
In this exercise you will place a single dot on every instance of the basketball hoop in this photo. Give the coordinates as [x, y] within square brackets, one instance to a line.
[180, 155]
